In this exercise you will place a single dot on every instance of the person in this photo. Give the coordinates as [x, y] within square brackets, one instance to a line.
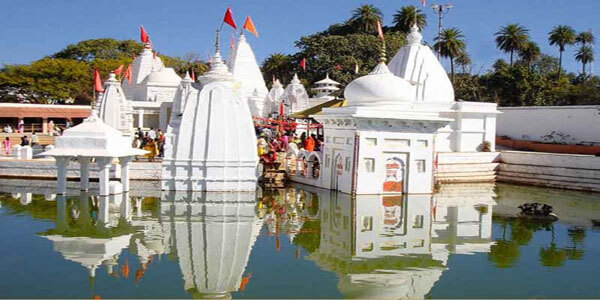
[161, 143]
[68, 124]
[302, 139]
[152, 134]
[7, 145]
[21, 126]
[150, 146]
[139, 137]
[51, 127]
[285, 140]
[261, 145]
[309, 144]
[34, 139]
[8, 129]
[24, 141]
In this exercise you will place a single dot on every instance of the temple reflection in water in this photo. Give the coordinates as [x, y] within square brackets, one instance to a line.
[378, 246]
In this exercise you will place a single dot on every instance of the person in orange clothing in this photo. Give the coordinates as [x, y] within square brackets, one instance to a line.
[125, 269]
[309, 144]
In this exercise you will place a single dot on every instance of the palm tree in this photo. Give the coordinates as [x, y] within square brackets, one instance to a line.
[584, 38]
[530, 53]
[405, 18]
[277, 65]
[451, 44]
[511, 38]
[365, 17]
[584, 55]
[561, 35]
[464, 61]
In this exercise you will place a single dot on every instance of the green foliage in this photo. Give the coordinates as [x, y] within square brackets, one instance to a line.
[405, 18]
[309, 236]
[451, 44]
[512, 38]
[561, 36]
[66, 76]
[278, 66]
[324, 52]
[365, 17]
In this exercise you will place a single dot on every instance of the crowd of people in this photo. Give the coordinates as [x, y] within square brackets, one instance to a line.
[269, 143]
[152, 141]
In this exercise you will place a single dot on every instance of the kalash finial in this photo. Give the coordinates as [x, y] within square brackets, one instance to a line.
[383, 53]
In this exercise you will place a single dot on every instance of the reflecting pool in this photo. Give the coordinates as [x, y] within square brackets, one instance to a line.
[297, 242]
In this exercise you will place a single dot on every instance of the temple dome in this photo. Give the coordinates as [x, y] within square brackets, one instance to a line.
[416, 63]
[164, 76]
[380, 87]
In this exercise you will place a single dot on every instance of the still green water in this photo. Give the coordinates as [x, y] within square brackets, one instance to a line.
[299, 242]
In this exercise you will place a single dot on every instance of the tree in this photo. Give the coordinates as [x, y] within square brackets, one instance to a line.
[561, 36]
[324, 52]
[584, 55]
[584, 38]
[511, 38]
[405, 18]
[365, 18]
[106, 48]
[463, 60]
[529, 53]
[451, 44]
[278, 66]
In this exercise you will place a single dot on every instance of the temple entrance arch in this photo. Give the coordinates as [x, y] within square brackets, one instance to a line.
[395, 173]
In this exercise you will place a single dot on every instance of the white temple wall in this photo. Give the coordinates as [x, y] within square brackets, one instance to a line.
[338, 159]
[577, 124]
[381, 147]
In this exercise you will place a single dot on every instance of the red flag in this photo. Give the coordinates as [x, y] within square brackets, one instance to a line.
[231, 42]
[128, 74]
[281, 108]
[193, 75]
[144, 37]
[248, 25]
[380, 31]
[303, 63]
[98, 82]
[229, 18]
[118, 70]
[423, 2]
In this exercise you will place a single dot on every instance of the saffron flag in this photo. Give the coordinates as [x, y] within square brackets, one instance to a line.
[281, 108]
[303, 63]
[97, 82]
[118, 70]
[229, 18]
[193, 76]
[144, 37]
[128, 74]
[380, 31]
[249, 25]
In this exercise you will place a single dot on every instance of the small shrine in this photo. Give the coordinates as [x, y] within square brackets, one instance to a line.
[92, 140]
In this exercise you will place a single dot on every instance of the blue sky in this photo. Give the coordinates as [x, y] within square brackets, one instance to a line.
[30, 29]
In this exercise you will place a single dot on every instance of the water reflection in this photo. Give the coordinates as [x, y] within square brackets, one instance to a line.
[398, 246]
[377, 246]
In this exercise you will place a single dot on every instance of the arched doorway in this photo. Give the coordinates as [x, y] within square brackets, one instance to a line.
[336, 171]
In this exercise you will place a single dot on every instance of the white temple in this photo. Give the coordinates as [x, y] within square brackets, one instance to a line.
[113, 108]
[387, 137]
[245, 70]
[151, 91]
[211, 144]
[274, 97]
[295, 98]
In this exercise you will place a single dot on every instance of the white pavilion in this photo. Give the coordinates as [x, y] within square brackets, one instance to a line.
[211, 145]
[397, 121]
[93, 140]
[323, 90]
